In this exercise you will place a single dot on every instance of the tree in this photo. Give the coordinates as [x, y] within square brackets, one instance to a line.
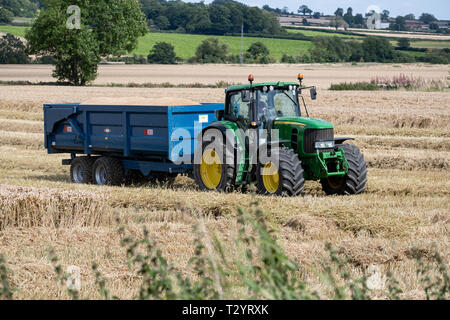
[399, 23]
[348, 17]
[427, 18]
[305, 22]
[211, 50]
[20, 8]
[329, 49]
[377, 50]
[162, 22]
[6, 16]
[106, 27]
[339, 12]
[12, 50]
[385, 14]
[303, 9]
[404, 43]
[410, 17]
[259, 52]
[316, 15]
[338, 21]
[162, 53]
[359, 19]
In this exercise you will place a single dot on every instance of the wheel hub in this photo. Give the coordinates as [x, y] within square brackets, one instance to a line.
[271, 178]
[211, 169]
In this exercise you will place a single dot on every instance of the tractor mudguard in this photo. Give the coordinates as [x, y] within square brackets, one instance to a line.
[221, 127]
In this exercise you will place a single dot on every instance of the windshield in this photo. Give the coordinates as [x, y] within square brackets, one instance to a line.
[277, 103]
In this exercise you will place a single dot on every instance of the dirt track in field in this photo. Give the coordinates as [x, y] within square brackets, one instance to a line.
[320, 75]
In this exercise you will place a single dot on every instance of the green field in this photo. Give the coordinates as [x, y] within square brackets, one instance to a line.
[186, 44]
[431, 44]
[18, 31]
[313, 33]
[414, 53]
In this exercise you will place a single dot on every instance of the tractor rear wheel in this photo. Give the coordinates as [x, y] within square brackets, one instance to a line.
[355, 180]
[212, 174]
[81, 170]
[108, 171]
[287, 180]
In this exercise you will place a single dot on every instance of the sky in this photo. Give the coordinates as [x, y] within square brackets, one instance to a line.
[439, 8]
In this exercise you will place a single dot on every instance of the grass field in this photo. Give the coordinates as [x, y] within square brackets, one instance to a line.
[404, 137]
[313, 33]
[18, 31]
[186, 44]
[430, 44]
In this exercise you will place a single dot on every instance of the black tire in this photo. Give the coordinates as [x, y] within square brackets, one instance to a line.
[108, 171]
[290, 174]
[81, 170]
[355, 180]
[227, 180]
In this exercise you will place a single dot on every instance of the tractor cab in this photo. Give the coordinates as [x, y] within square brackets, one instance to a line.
[259, 105]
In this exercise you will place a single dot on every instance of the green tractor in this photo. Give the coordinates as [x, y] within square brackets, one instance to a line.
[266, 119]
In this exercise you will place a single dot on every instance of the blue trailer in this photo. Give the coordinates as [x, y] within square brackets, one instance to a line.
[109, 143]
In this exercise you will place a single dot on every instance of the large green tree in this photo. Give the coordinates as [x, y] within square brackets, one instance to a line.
[106, 27]
[211, 50]
[20, 8]
[162, 53]
[12, 50]
[6, 16]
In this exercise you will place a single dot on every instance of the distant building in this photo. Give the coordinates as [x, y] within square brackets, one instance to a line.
[443, 24]
[414, 25]
[287, 20]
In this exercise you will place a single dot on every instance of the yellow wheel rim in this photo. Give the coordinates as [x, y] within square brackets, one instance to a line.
[271, 178]
[211, 169]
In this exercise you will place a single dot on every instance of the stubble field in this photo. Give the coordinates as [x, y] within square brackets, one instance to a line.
[405, 137]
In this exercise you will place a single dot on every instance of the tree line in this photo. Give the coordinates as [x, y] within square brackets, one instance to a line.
[18, 8]
[219, 17]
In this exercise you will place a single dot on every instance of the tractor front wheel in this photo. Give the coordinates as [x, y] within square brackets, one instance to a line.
[355, 180]
[286, 179]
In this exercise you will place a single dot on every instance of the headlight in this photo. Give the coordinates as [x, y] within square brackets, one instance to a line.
[324, 145]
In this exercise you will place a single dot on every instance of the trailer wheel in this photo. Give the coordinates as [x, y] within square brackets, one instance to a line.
[286, 180]
[355, 180]
[108, 171]
[81, 170]
[211, 174]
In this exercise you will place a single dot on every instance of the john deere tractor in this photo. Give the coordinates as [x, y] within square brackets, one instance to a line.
[290, 147]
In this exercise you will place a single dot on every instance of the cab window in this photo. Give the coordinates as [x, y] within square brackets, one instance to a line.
[238, 109]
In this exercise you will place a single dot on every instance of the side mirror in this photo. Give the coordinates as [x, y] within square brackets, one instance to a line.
[313, 93]
[245, 95]
[220, 114]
